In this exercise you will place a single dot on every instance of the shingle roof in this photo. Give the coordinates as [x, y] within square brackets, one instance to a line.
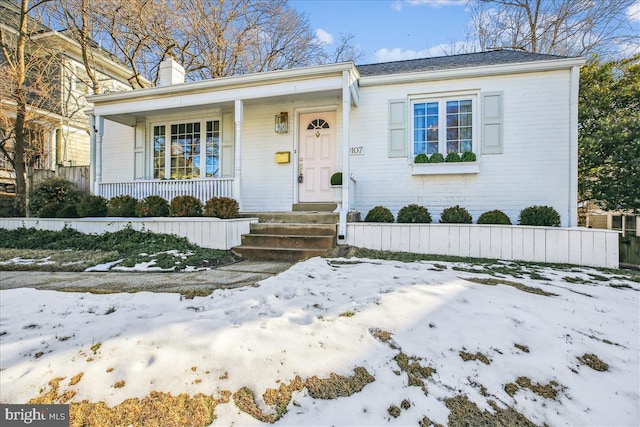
[494, 57]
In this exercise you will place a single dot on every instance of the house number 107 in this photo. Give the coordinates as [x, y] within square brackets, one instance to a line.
[356, 151]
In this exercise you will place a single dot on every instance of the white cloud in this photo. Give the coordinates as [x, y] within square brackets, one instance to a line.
[633, 12]
[398, 54]
[323, 36]
[397, 6]
[437, 3]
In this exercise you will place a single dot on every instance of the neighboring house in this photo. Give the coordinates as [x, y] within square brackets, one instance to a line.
[58, 124]
[516, 111]
[626, 222]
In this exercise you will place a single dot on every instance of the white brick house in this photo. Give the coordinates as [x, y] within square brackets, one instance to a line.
[516, 111]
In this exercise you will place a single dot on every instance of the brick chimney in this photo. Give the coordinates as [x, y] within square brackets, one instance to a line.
[171, 72]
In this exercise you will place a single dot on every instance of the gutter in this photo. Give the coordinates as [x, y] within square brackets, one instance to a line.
[483, 71]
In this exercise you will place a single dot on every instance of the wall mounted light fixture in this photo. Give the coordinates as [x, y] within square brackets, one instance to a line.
[282, 123]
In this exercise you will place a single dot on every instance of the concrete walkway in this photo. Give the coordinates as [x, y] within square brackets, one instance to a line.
[244, 273]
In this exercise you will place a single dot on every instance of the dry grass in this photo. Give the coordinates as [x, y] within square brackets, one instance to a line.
[519, 286]
[156, 410]
[478, 356]
[76, 379]
[548, 391]
[466, 413]
[416, 374]
[592, 361]
[521, 347]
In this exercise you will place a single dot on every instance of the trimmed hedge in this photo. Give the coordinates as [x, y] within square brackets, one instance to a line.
[124, 205]
[221, 207]
[544, 216]
[379, 214]
[414, 214]
[455, 215]
[185, 206]
[494, 217]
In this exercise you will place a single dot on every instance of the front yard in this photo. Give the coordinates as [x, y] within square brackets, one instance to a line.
[342, 341]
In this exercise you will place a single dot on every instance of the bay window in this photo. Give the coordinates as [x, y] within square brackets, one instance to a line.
[186, 150]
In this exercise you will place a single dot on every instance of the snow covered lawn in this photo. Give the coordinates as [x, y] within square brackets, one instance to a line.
[339, 342]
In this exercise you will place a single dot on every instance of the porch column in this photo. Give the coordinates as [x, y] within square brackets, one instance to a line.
[92, 154]
[98, 153]
[346, 168]
[239, 106]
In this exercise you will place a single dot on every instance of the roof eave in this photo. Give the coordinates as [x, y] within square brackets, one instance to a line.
[481, 71]
[228, 82]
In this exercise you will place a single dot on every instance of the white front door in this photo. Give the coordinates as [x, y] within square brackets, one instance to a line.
[317, 156]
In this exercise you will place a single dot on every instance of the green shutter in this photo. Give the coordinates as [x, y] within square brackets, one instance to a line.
[492, 123]
[398, 128]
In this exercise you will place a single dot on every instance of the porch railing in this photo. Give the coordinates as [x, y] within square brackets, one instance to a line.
[203, 189]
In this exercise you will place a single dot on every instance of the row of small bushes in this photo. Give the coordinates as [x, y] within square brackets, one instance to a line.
[533, 215]
[452, 157]
[59, 198]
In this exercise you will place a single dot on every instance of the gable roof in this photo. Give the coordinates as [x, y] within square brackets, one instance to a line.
[467, 60]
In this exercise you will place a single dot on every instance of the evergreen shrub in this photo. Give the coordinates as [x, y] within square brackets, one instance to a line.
[545, 216]
[494, 217]
[221, 207]
[92, 206]
[68, 211]
[53, 190]
[452, 157]
[379, 214]
[124, 205]
[468, 156]
[436, 158]
[185, 206]
[455, 215]
[421, 158]
[154, 206]
[414, 214]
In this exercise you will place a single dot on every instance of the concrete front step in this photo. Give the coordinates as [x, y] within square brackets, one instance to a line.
[293, 229]
[288, 241]
[277, 254]
[293, 217]
[314, 207]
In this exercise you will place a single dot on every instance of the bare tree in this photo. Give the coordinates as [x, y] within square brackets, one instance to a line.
[561, 27]
[27, 92]
[345, 50]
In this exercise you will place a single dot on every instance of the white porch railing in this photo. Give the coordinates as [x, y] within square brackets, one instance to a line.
[203, 189]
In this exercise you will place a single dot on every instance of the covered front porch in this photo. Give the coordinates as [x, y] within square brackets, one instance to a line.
[139, 138]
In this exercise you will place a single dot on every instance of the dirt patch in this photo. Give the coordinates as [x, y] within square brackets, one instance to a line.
[592, 361]
[478, 356]
[466, 413]
[521, 347]
[519, 286]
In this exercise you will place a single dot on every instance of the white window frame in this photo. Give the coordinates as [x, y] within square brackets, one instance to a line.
[203, 143]
[442, 120]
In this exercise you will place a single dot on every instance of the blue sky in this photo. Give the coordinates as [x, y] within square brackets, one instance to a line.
[390, 30]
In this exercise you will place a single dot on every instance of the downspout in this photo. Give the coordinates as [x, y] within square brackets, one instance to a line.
[573, 150]
[239, 113]
[346, 166]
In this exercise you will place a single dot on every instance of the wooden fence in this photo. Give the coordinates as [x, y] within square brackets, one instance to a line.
[79, 175]
[630, 251]
[581, 246]
[211, 233]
